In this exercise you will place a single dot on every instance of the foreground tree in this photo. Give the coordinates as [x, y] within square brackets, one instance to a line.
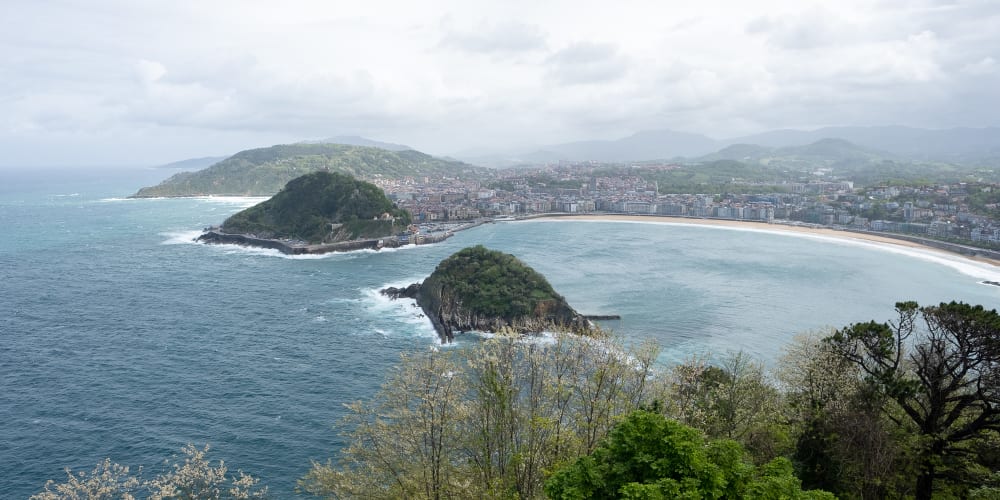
[194, 478]
[941, 365]
[489, 422]
[732, 399]
[406, 442]
[648, 456]
[843, 442]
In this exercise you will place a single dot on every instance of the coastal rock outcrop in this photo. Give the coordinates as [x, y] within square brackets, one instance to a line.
[407, 292]
[486, 290]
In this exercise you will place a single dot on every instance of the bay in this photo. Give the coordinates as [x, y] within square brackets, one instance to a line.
[120, 337]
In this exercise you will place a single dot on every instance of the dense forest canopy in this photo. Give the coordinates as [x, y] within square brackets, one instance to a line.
[322, 207]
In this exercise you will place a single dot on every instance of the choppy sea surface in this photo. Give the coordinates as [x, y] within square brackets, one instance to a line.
[120, 337]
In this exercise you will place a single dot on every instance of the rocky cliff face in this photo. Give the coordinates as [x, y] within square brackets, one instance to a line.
[484, 290]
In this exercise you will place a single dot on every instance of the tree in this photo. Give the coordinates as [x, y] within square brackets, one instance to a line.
[194, 478]
[406, 442]
[843, 442]
[732, 400]
[501, 416]
[943, 372]
[648, 456]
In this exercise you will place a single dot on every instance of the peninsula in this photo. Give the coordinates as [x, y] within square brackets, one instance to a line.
[486, 290]
[316, 213]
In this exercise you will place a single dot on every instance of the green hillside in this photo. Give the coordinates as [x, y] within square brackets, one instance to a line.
[264, 171]
[321, 207]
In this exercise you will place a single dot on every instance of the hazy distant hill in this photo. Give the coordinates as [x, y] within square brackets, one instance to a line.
[961, 145]
[956, 144]
[354, 140]
[646, 145]
[193, 163]
[264, 171]
[739, 152]
[835, 150]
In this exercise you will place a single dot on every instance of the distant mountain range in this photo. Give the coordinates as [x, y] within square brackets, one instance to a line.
[967, 146]
[960, 145]
[822, 150]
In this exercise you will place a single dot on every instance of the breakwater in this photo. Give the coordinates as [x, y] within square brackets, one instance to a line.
[215, 236]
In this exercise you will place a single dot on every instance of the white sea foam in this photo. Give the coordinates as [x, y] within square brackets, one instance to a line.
[966, 266]
[403, 311]
[189, 237]
[181, 238]
[233, 201]
[240, 201]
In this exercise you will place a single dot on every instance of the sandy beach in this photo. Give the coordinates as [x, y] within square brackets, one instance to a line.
[777, 227]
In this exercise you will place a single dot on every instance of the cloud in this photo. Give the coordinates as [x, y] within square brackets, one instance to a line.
[587, 63]
[504, 37]
[149, 71]
[983, 67]
[444, 75]
[811, 29]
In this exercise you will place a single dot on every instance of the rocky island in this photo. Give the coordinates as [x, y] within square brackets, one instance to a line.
[317, 213]
[486, 290]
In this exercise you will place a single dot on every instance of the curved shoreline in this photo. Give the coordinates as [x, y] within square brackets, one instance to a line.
[971, 253]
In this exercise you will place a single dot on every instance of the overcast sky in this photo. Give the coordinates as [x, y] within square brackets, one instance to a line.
[148, 81]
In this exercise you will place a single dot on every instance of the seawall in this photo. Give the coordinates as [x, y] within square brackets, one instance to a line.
[289, 248]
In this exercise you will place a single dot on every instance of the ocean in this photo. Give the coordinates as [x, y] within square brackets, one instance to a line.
[121, 337]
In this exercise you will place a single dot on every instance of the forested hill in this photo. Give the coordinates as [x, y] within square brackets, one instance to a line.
[264, 171]
[322, 207]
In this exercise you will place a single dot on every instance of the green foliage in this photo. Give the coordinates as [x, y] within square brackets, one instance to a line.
[732, 399]
[264, 171]
[939, 364]
[648, 456]
[490, 283]
[308, 205]
[487, 424]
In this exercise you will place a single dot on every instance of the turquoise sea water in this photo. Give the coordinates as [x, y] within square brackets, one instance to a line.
[121, 338]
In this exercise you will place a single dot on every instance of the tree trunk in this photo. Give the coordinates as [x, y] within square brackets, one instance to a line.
[925, 482]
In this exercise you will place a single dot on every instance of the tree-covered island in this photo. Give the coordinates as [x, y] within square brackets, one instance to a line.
[320, 208]
[486, 290]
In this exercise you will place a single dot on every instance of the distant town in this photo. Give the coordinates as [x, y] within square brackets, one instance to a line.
[963, 213]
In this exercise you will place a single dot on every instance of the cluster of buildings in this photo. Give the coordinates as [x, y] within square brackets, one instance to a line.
[941, 212]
